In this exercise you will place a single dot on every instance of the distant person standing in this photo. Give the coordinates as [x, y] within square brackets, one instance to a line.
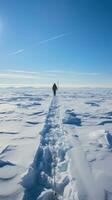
[54, 88]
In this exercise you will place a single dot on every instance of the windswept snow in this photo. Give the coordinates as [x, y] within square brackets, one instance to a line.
[19, 136]
[55, 148]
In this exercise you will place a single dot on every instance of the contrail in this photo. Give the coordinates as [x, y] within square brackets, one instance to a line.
[16, 52]
[39, 43]
[52, 38]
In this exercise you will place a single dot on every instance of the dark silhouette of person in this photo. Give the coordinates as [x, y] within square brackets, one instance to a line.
[54, 88]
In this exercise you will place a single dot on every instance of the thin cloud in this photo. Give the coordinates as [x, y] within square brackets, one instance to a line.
[40, 74]
[16, 75]
[88, 74]
[46, 74]
[24, 72]
[49, 73]
[72, 72]
[16, 52]
[25, 75]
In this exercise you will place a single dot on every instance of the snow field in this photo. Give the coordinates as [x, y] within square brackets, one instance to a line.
[55, 148]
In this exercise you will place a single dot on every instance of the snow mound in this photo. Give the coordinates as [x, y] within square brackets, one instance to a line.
[105, 122]
[4, 163]
[47, 195]
[92, 103]
[109, 139]
[70, 118]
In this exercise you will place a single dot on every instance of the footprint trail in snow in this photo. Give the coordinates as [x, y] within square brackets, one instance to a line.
[44, 179]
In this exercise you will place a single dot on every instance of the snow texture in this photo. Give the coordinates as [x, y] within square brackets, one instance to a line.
[55, 148]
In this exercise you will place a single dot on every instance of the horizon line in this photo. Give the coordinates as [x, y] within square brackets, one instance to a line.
[50, 85]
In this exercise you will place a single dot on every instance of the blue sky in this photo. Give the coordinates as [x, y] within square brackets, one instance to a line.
[42, 41]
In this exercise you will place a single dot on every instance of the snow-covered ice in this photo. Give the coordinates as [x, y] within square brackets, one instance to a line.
[55, 148]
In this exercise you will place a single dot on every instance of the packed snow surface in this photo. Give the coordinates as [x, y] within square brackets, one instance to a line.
[55, 148]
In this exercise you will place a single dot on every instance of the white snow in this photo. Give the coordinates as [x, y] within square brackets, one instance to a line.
[55, 148]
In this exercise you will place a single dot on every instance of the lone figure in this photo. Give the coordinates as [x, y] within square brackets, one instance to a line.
[54, 88]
